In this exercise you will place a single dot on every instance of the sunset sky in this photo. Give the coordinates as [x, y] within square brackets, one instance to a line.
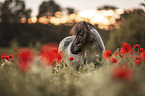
[86, 4]
[80, 5]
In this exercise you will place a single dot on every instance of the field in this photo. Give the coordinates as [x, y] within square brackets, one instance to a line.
[121, 74]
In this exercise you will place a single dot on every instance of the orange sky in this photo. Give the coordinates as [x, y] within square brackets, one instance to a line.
[86, 4]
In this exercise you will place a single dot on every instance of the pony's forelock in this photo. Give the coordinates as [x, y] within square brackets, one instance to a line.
[76, 28]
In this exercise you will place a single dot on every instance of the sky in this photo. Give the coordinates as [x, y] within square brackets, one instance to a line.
[81, 5]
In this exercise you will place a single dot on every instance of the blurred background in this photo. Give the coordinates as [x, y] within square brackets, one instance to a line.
[36, 22]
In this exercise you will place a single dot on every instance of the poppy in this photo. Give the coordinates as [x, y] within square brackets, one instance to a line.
[107, 54]
[71, 58]
[10, 56]
[7, 58]
[141, 49]
[126, 48]
[137, 58]
[137, 62]
[49, 54]
[55, 50]
[142, 56]
[3, 56]
[126, 64]
[113, 60]
[25, 56]
[15, 49]
[122, 73]
[136, 46]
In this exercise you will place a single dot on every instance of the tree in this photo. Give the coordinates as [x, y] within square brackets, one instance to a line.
[48, 8]
[107, 7]
[0, 10]
[127, 13]
[143, 4]
[13, 10]
[11, 13]
[70, 10]
[132, 31]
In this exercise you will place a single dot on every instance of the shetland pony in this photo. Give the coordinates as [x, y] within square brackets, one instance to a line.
[85, 45]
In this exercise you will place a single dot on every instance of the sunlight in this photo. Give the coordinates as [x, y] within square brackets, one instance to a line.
[100, 17]
[34, 19]
[23, 20]
[87, 13]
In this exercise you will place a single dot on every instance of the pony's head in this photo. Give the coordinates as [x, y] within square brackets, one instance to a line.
[82, 32]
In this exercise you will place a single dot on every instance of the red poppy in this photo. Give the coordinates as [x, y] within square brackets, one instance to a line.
[10, 56]
[136, 46]
[49, 54]
[122, 73]
[25, 56]
[141, 49]
[23, 66]
[126, 48]
[71, 58]
[107, 54]
[126, 64]
[7, 58]
[142, 56]
[59, 56]
[115, 53]
[15, 49]
[137, 58]
[3, 56]
[113, 60]
[137, 62]
[55, 50]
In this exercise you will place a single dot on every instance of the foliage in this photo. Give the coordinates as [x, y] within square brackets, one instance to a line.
[132, 30]
[70, 10]
[48, 8]
[13, 10]
[107, 7]
[143, 4]
[26, 34]
[108, 80]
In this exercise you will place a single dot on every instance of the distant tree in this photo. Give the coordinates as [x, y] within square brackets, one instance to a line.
[48, 8]
[107, 7]
[132, 30]
[143, 4]
[127, 13]
[70, 10]
[11, 13]
[0, 10]
[13, 10]
[27, 14]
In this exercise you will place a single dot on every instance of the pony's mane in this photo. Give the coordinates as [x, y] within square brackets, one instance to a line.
[78, 27]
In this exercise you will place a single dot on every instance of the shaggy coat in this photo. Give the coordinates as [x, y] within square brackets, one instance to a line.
[85, 45]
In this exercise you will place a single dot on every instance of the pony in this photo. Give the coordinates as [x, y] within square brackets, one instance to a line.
[85, 45]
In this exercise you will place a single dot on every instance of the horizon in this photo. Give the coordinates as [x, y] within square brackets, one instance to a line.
[87, 5]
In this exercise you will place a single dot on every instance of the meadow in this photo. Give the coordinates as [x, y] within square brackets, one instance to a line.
[27, 72]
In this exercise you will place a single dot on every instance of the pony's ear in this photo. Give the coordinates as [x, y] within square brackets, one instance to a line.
[85, 26]
[79, 26]
[75, 29]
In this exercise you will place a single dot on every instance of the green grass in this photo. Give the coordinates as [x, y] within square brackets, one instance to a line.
[66, 81]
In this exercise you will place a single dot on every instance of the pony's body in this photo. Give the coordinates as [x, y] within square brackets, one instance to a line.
[88, 50]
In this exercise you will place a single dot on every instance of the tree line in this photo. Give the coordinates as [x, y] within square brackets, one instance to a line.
[11, 11]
